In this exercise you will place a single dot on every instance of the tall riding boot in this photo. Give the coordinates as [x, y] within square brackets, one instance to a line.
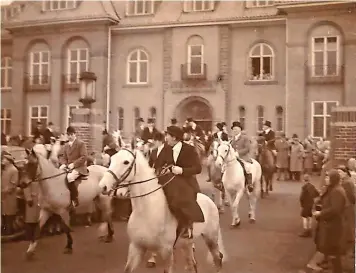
[249, 182]
[336, 264]
[73, 193]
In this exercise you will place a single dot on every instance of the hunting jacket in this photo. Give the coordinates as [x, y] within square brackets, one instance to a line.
[242, 145]
[76, 154]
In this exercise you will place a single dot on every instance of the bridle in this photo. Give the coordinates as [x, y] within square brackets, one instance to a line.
[227, 153]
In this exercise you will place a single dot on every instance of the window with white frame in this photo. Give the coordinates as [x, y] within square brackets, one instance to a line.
[51, 5]
[6, 121]
[196, 59]
[137, 67]
[321, 114]
[38, 113]
[78, 62]
[242, 116]
[279, 118]
[140, 7]
[259, 3]
[40, 67]
[198, 5]
[137, 117]
[70, 109]
[6, 73]
[260, 117]
[261, 62]
[325, 56]
[120, 118]
[153, 113]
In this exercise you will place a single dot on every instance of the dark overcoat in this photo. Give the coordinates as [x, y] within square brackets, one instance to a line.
[181, 192]
[155, 160]
[330, 231]
[147, 134]
[47, 134]
[307, 196]
[76, 154]
[349, 188]
[270, 137]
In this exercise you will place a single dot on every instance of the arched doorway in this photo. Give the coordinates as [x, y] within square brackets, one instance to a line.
[197, 108]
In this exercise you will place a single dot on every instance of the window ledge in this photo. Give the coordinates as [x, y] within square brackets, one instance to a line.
[336, 79]
[197, 11]
[139, 15]
[256, 82]
[137, 85]
[6, 89]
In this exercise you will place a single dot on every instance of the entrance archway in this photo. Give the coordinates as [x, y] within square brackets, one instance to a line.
[197, 108]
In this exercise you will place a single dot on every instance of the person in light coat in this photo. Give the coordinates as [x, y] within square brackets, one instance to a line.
[9, 181]
[282, 158]
[296, 158]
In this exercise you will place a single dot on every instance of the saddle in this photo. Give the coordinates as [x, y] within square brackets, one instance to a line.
[79, 180]
[244, 169]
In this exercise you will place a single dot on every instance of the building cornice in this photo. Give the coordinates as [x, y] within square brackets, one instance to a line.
[233, 21]
[315, 6]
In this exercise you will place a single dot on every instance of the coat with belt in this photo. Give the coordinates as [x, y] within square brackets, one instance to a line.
[147, 134]
[182, 191]
[76, 154]
[31, 193]
[9, 181]
[330, 231]
[242, 145]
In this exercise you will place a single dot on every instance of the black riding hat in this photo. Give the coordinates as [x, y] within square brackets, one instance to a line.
[236, 124]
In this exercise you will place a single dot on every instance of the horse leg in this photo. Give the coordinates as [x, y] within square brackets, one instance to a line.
[167, 255]
[64, 214]
[104, 203]
[252, 200]
[235, 207]
[151, 262]
[134, 258]
[261, 183]
[36, 232]
[214, 249]
[189, 253]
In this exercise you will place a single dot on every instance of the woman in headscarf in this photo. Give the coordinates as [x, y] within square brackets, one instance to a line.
[329, 213]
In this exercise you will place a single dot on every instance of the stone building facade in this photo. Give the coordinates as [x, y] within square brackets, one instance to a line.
[289, 62]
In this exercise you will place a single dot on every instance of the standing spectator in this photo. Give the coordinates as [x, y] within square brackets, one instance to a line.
[37, 132]
[308, 155]
[296, 158]
[9, 181]
[307, 196]
[282, 147]
[351, 165]
[48, 135]
[330, 221]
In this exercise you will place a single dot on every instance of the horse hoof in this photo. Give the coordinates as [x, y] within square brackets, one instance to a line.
[151, 265]
[29, 255]
[68, 251]
[252, 220]
[233, 226]
[108, 239]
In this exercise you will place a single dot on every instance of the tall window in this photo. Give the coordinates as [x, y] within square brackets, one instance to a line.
[242, 115]
[198, 5]
[259, 3]
[70, 109]
[137, 67]
[49, 5]
[6, 121]
[78, 61]
[40, 67]
[153, 113]
[139, 7]
[279, 118]
[38, 113]
[137, 116]
[325, 60]
[120, 121]
[6, 73]
[261, 61]
[260, 117]
[321, 111]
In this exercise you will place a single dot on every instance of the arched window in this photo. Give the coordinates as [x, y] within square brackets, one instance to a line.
[6, 73]
[120, 118]
[153, 113]
[195, 62]
[279, 118]
[77, 60]
[137, 67]
[137, 116]
[262, 62]
[260, 117]
[242, 115]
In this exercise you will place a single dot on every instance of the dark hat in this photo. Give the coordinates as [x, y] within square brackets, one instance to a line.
[150, 120]
[158, 136]
[189, 119]
[267, 123]
[220, 126]
[175, 131]
[236, 124]
[187, 129]
[70, 130]
[294, 136]
[223, 123]
[50, 123]
[224, 137]
[141, 120]
[174, 121]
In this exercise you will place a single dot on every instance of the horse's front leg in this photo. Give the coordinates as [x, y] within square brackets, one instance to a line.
[134, 258]
[35, 231]
[64, 214]
[167, 255]
[235, 208]
[252, 200]
[104, 203]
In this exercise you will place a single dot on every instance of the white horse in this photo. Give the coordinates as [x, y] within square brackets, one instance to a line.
[56, 147]
[234, 181]
[55, 198]
[151, 226]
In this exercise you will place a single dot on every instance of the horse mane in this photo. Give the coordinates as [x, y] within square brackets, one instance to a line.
[45, 164]
[142, 162]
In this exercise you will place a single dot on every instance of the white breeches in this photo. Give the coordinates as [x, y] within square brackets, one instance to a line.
[72, 176]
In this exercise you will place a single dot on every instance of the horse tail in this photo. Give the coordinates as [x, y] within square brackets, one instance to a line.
[221, 249]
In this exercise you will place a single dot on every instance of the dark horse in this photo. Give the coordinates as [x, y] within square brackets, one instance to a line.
[267, 162]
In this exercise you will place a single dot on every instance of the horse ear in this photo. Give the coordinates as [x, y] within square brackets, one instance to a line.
[28, 151]
[133, 143]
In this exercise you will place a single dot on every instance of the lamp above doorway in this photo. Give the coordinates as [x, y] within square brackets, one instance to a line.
[87, 88]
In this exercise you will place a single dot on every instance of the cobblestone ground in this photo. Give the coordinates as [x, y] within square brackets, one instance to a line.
[271, 245]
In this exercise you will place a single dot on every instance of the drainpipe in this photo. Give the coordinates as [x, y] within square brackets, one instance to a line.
[108, 83]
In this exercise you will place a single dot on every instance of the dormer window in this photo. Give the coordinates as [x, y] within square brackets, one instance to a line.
[198, 5]
[259, 3]
[52, 5]
[139, 7]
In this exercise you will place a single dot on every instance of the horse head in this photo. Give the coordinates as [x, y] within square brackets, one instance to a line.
[225, 153]
[30, 169]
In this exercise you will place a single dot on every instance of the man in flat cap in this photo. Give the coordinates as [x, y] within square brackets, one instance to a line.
[182, 192]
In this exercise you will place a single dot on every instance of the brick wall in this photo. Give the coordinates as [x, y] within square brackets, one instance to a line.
[343, 134]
